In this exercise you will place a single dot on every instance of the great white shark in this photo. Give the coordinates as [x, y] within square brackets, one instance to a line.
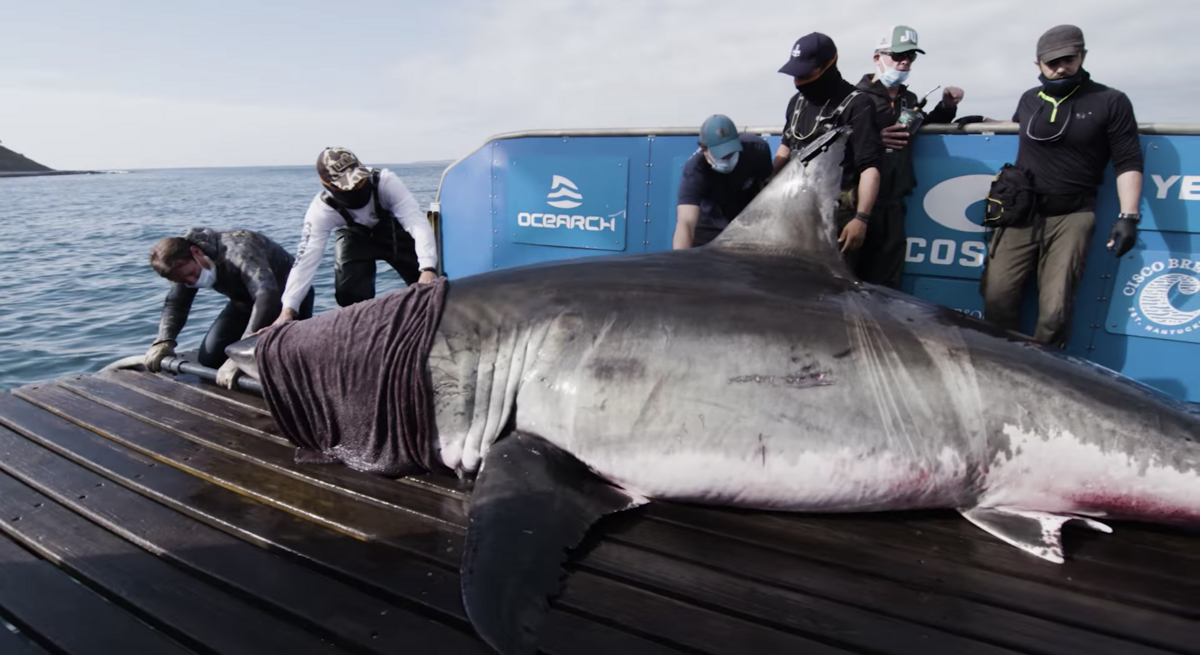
[758, 372]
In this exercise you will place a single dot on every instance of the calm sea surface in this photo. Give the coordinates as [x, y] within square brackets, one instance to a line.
[76, 288]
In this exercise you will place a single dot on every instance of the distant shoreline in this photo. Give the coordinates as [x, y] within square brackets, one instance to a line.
[44, 173]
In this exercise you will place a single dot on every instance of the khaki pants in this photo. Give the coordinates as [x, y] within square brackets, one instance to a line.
[1059, 257]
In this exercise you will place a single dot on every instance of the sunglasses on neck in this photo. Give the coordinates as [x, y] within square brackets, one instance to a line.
[901, 56]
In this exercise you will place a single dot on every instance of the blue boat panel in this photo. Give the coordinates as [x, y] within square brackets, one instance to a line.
[484, 197]
[466, 210]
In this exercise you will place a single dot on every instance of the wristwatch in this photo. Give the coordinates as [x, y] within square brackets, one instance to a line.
[1136, 218]
[429, 268]
[863, 216]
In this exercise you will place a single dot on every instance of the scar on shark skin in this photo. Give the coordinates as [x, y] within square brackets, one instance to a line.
[807, 377]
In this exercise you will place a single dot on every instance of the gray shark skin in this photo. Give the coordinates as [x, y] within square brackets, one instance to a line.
[757, 372]
[242, 352]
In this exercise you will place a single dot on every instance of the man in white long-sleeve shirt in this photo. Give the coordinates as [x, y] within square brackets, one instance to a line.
[372, 216]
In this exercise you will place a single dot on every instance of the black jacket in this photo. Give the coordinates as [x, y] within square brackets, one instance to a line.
[897, 177]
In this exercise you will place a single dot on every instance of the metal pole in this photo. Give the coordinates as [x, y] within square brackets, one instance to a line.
[177, 366]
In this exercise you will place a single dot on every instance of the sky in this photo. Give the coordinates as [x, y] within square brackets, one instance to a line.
[131, 84]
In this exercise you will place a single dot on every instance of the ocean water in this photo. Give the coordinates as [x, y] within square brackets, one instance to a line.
[76, 288]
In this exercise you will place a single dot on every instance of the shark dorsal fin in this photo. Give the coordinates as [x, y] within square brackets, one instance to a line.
[795, 214]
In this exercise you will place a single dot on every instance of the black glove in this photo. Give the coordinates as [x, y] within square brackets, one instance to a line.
[1124, 235]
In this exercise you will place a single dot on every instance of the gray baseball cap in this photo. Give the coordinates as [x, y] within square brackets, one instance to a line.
[1060, 41]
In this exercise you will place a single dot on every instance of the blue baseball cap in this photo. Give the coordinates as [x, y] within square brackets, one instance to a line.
[811, 55]
[720, 136]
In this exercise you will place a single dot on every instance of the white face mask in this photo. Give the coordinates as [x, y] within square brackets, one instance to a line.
[208, 276]
[722, 165]
[891, 77]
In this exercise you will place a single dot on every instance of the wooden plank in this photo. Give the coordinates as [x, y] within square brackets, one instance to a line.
[340, 613]
[184, 608]
[257, 451]
[921, 606]
[186, 397]
[12, 643]
[774, 605]
[403, 530]
[825, 544]
[396, 575]
[41, 600]
[1155, 559]
[1099, 579]
[191, 400]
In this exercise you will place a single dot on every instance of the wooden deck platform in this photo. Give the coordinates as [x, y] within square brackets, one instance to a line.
[146, 514]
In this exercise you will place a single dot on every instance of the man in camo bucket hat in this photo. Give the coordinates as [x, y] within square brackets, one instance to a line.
[373, 217]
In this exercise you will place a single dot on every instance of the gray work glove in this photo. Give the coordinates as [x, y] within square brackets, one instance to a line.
[158, 352]
[227, 374]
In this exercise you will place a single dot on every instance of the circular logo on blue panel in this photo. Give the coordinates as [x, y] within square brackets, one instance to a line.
[1166, 297]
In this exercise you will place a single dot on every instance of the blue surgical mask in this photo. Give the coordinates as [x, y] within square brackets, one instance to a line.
[891, 77]
[208, 277]
[724, 165]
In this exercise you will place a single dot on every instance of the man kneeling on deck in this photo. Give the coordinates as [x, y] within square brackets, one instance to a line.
[247, 267]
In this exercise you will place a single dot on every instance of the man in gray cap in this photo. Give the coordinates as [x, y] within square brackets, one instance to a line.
[719, 180]
[373, 217]
[1071, 127]
[884, 249]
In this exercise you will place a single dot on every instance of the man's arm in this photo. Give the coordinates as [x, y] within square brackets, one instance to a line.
[868, 189]
[1129, 191]
[686, 218]
[781, 160]
[176, 308]
[318, 222]
[408, 212]
[1127, 162]
[255, 269]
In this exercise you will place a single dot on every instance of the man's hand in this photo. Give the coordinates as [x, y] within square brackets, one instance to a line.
[894, 137]
[853, 235]
[427, 277]
[227, 374]
[1123, 236]
[951, 96]
[158, 352]
[285, 316]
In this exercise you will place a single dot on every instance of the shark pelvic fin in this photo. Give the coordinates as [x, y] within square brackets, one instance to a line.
[1039, 533]
[532, 503]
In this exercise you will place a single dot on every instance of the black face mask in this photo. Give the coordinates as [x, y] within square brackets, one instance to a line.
[354, 199]
[822, 88]
[1061, 87]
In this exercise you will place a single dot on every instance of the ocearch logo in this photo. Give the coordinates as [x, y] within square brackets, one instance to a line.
[1154, 309]
[561, 187]
[947, 203]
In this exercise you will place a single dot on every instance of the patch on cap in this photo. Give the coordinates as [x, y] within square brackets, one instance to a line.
[340, 168]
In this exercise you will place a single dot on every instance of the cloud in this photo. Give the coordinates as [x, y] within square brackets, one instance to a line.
[498, 67]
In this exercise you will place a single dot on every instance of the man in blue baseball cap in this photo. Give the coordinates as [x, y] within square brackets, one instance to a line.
[825, 100]
[719, 180]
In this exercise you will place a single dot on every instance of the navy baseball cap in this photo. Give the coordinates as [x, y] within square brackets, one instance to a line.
[720, 136]
[811, 55]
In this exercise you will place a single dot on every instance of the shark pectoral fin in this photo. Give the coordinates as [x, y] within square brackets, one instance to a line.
[532, 502]
[1035, 532]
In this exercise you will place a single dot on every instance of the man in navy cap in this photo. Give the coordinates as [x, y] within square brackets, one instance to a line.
[825, 100]
[719, 180]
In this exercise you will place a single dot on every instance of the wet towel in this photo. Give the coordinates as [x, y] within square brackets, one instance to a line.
[351, 385]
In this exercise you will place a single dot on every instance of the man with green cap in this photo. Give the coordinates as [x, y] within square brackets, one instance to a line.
[718, 181]
[884, 249]
[1071, 129]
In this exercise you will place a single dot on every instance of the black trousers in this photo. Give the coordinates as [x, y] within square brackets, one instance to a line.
[354, 255]
[880, 260]
[229, 327]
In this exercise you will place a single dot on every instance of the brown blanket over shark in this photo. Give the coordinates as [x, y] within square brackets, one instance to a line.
[351, 385]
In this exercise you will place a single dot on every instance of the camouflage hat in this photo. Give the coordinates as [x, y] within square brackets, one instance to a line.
[339, 168]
